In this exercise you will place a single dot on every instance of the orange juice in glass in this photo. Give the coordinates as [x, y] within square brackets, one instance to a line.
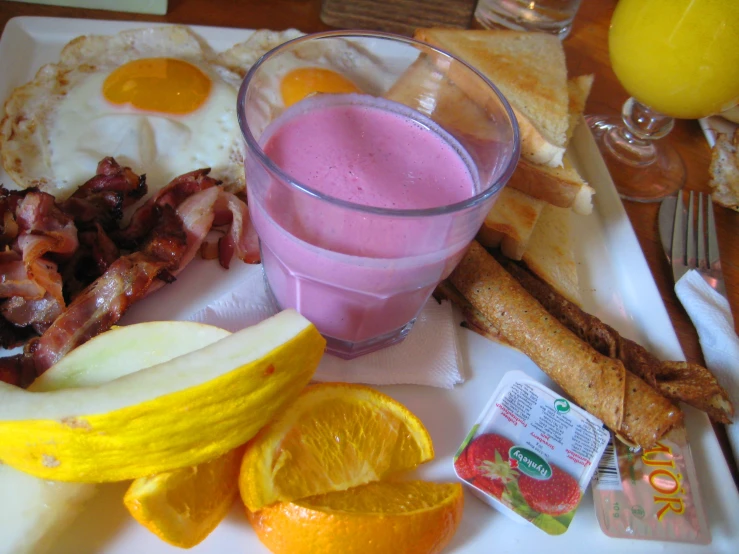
[678, 59]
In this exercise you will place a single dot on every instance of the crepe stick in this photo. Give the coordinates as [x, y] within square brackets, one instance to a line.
[599, 384]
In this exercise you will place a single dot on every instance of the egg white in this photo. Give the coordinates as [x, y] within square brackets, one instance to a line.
[87, 127]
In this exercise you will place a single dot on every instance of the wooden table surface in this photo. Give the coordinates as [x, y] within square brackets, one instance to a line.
[587, 52]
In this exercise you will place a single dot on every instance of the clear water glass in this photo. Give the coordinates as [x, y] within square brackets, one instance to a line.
[549, 16]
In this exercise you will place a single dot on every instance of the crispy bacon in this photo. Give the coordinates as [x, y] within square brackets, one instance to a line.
[103, 198]
[44, 228]
[8, 205]
[241, 238]
[104, 302]
[15, 282]
[34, 285]
[38, 313]
[80, 239]
[174, 194]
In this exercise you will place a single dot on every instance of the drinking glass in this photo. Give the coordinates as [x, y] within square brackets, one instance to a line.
[547, 16]
[362, 273]
[678, 59]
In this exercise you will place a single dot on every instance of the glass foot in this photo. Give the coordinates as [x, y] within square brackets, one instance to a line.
[662, 176]
[350, 350]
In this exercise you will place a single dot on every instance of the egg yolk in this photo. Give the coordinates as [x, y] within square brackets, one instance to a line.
[299, 83]
[162, 85]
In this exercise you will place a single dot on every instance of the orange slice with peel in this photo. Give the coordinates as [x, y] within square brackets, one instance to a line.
[410, 517]
[183, 506]
[333, 437]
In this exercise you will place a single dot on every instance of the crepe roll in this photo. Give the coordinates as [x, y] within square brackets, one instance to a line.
[599, 384]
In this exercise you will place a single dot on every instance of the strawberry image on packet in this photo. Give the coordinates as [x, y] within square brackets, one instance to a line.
[531, 453]
[651, 494]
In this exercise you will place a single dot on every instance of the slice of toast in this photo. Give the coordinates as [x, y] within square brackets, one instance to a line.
[529, 69]
[560, 186]
[578, 90]
[510, 222]
[550, 255]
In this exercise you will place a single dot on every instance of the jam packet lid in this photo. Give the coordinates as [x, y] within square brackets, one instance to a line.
[531, 453]
[650, 494]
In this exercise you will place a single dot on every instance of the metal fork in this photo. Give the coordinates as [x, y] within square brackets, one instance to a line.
[689, 237]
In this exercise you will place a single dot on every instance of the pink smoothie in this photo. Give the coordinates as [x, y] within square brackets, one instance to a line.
[355, 273]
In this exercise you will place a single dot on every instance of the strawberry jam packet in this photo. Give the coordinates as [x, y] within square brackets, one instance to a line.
[531, 453]
[650, 494]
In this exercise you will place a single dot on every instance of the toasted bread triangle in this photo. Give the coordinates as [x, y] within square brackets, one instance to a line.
[550, 252]
[530, 71]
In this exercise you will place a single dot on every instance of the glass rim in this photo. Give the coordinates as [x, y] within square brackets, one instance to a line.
[294, 183]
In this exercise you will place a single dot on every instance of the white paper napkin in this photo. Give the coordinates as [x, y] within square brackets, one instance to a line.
[428, 356]
[711, 316]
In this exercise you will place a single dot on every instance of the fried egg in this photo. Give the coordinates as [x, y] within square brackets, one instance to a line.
[155, 99]
[340, 66]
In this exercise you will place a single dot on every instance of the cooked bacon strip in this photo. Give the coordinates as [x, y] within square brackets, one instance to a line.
[34, 284]
[39, 313]
[44, 231]
[103, 198]
[176, 192]
[197, 214]
[168, 230]
[103, 250]
[14, 281]
[104, 302]
[678, 381]
[44, 228]
[8, 204]
[241, 238]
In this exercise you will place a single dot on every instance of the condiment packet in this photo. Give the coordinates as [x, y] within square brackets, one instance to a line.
[650, 494]
[531, 453]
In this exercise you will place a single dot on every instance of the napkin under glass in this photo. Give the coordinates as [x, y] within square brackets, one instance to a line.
[428, 356]
[711, 317]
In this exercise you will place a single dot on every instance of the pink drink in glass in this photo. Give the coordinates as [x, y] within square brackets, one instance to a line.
[357, 277]
[363, 205]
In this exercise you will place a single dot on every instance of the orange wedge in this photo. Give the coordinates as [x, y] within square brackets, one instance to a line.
[410, 517]
[333, 437]
[183, 506]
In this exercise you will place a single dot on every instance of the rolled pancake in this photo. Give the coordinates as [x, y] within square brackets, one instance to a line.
[599, 384]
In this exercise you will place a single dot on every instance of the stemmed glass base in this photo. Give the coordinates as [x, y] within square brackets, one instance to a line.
[643, 168]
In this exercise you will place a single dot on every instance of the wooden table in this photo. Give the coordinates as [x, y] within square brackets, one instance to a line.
[587, 52]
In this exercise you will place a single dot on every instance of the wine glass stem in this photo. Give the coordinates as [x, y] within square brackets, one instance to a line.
[632, 142]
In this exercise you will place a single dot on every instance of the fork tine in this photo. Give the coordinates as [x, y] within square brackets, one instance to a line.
[690, 253]
[713, 257]
[678, 232]
[702, 259]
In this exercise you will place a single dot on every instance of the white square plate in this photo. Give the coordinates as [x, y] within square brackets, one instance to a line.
[617, 286]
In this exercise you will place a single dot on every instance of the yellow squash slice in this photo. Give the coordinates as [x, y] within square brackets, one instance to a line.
[176, 414]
